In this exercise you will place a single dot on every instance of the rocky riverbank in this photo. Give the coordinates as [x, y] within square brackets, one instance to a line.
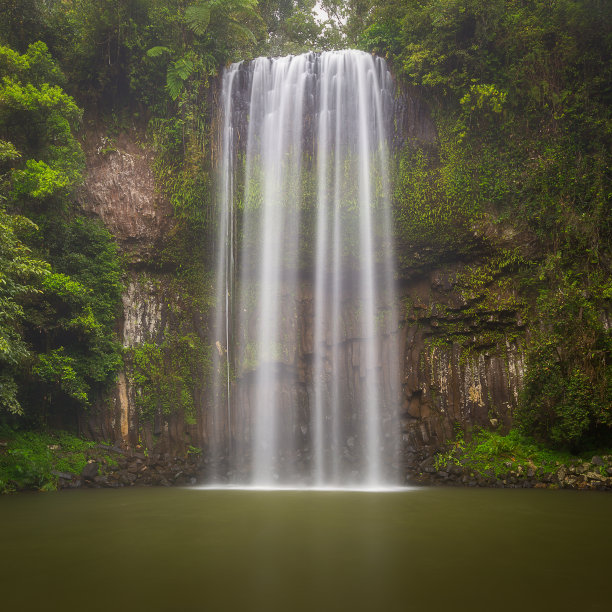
[113, 467]
[594, 474]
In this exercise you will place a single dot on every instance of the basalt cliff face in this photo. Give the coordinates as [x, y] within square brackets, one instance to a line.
[460, 359]
[120, 190]
[447, 383]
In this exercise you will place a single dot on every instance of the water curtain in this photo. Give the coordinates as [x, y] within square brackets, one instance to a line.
[305, 364]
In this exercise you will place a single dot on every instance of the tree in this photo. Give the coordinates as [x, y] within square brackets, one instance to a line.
[20, 276]
[60, 278]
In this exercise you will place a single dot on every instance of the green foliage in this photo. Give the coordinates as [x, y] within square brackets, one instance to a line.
[58, 369]
[197, 18]
[23, 22]
[178, 72]
[182, 173]
[60, 279]
[29, 459]
[435, 206]
[64, 287]
[157, 51]
[297, 26]
[70, 321]
[43, 158]
[20, 276]
[85, 250]
[520, 96]
[301, 32]
[8, 152]
[38, 180]
[116, 53]
[567, 396]
[494, 454]
[164, 375]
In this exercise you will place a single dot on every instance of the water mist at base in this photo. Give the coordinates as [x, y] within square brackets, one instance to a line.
[305, 363]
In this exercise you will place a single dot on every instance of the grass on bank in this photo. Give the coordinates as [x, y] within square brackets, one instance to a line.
[34, 459]
[490, 453]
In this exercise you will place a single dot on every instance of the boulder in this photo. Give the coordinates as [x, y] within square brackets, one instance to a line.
[595, 476]
[64, 475]
[90, 471]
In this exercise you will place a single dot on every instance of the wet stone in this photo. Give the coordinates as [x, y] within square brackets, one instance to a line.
[90, 471]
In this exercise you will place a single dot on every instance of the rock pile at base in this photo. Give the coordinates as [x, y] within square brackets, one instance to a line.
[119, 468]
[595, 474]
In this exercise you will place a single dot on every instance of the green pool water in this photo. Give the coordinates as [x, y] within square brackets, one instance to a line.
[215, 550]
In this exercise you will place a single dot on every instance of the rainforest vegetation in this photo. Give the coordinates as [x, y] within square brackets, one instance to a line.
[521, 96]
[520, 92]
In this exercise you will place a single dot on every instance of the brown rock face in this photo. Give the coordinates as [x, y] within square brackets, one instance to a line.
[120, 189]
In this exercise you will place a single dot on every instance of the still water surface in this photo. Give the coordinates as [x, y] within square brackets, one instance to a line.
[417, 550]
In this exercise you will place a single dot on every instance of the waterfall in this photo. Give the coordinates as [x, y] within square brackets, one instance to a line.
[305, 366]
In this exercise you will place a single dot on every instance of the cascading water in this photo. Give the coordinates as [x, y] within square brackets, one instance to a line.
[305, 389]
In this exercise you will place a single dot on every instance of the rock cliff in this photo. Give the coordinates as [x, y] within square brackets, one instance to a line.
[120, 190]
[458, 353]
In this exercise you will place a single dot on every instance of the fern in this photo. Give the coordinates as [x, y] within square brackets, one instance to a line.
[177, 74]
[230, 14]
[197, 18]
[242, 30]
[235, 6]
[157, 51]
